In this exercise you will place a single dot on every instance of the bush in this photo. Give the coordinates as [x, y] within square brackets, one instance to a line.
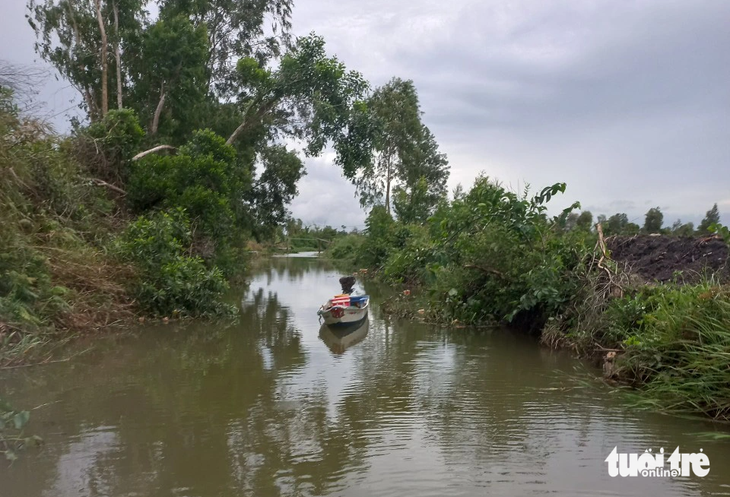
[205, 179]
[346, 248]
[677, 343]
[488, 255]
[170, 282]
[53, 272]
[106, 147]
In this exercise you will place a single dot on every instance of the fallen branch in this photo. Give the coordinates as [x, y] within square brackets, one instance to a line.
[99, 182]
[154, 150]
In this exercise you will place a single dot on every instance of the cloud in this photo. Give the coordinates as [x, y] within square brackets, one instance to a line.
[626, 102]
[621, 100]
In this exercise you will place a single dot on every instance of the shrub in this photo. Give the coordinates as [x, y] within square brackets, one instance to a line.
[171, 282]
[106, 147]
[488, 255]
[205, 179]
[677, 343]
[346, 248]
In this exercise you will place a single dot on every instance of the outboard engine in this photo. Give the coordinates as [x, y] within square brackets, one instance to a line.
[347, 283]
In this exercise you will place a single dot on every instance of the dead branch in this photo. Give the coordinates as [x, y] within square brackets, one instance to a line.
[154, 150]
[103, 183]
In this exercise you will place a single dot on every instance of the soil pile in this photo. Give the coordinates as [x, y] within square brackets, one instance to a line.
[660, 258]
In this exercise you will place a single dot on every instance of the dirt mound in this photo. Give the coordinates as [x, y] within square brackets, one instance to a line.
[660, 257]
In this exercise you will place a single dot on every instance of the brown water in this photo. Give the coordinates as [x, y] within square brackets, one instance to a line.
[272, 405]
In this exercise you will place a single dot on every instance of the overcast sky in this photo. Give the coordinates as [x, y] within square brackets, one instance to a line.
[628, 102]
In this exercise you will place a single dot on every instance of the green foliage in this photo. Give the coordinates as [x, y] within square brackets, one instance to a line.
[12, 426]
[275, 187]
[407, 168]
[239, 28]
[52, 270]
[682, 229]
[653, 221]
[171, 282]
[584, 221]
[205, 178]
[346, 248]
[170, 76]
[677, 342]
[488, 255]
[712, 217]
[618, 224]
[380, 229]
[106, 147]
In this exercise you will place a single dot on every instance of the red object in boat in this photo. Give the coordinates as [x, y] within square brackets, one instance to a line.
[343, 300]
[337, 312]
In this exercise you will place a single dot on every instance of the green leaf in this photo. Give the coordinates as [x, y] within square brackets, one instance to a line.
[20, 419]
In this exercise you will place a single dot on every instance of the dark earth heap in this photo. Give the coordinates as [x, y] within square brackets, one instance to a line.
[664, 258]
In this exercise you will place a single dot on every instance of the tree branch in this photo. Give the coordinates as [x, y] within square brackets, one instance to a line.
[158, 111]
[99, 182]
[153, 150]
[248, 122]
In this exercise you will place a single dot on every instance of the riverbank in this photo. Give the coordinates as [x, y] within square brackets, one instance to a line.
[85, 245]
[653, 309]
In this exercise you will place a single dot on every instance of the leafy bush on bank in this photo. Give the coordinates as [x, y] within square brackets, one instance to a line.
[170, 282]
[494, 256]
[53, 271]
[676, 343]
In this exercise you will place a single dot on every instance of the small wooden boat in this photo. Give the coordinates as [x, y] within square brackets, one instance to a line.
[342, 338]
[344, 310]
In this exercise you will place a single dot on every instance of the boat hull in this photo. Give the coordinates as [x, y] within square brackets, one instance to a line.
[344, 316]
[350, 317]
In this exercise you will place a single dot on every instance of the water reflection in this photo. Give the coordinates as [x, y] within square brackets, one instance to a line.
[339, 340]
[264, 407]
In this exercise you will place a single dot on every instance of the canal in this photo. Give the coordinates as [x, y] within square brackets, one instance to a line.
[274, 405]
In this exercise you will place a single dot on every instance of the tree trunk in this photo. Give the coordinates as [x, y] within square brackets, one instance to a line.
[387, 187]
[104, 62]
[158, 111]
[118, 56]
[93, 109]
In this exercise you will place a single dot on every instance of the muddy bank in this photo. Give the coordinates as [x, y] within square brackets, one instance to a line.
[659, 258]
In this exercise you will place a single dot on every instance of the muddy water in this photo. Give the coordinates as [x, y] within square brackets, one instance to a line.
[273, 405]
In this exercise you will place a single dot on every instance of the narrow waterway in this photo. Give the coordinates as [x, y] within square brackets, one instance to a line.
[275, 405]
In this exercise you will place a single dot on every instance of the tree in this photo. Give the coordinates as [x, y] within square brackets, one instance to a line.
[77, 36]
[682, 229]
[169, 77]
[616, 224]
[405, 155]
[206, 178]
[711, 217]
[235, 29]
[310, 97]
[571, 221]
[73, 37]
[396, 114]
[653, 220]
[275, 188]
[423, 177]
[584, 221]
